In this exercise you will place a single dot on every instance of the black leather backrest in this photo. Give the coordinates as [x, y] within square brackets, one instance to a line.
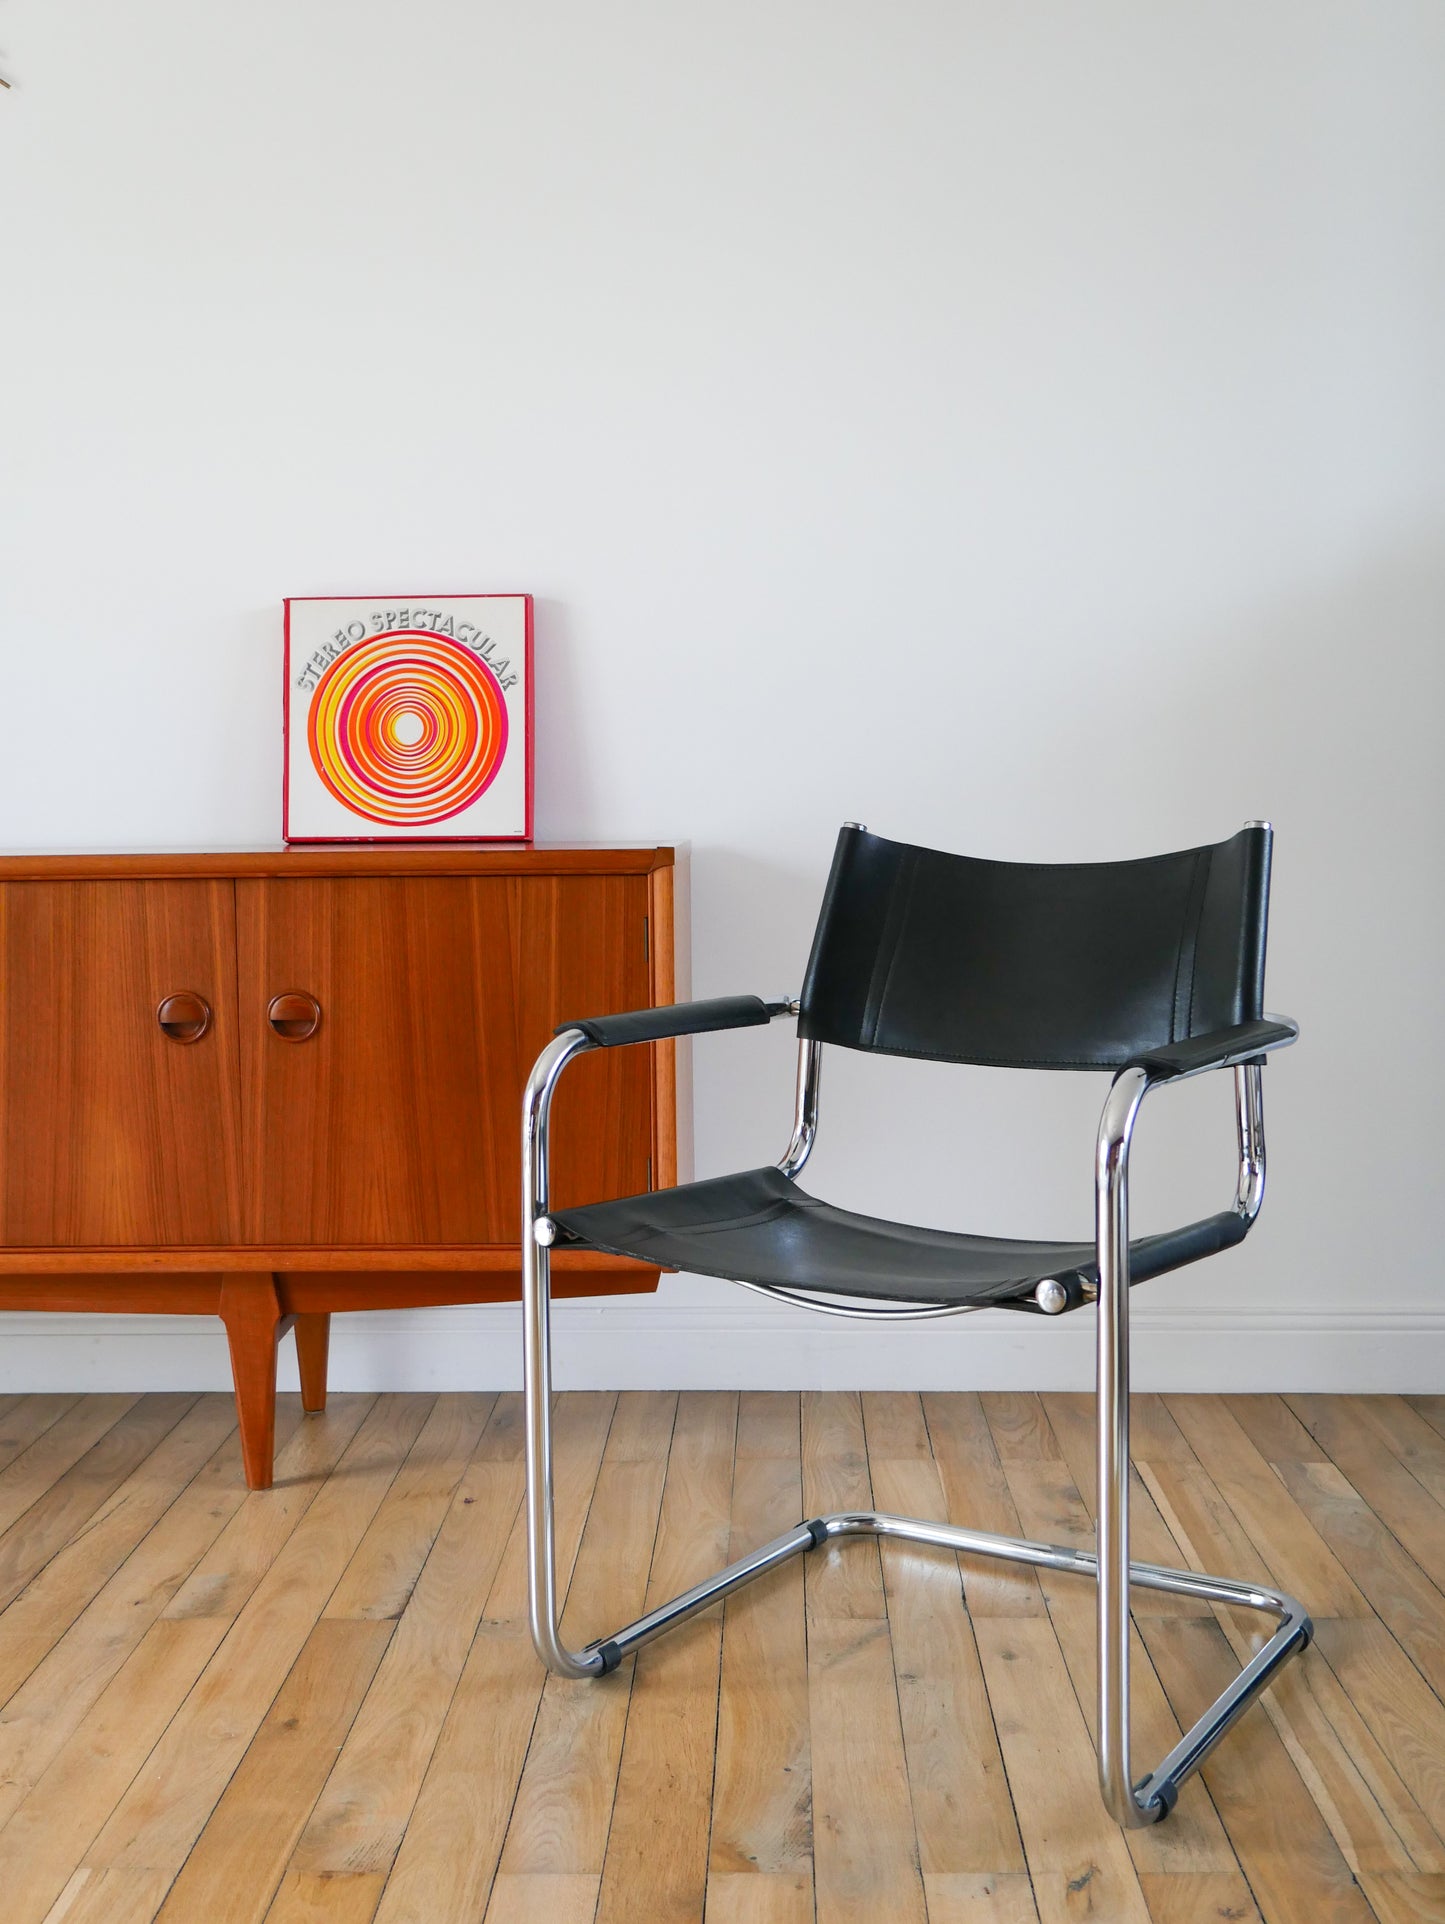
[918, 953]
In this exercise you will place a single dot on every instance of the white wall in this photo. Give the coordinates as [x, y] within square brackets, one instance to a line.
[1018, 427]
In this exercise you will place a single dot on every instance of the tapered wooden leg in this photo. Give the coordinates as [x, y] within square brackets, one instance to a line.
[251, 1311]
[313, 1339]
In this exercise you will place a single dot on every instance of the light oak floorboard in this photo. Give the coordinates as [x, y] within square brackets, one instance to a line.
[380, 1578]
[326, 1897]
[1344, 1426]
[319, 1704]
[657, 1846]
[1398, 1897]
[564, 1898]
[444, 1869]
[55, 1698]
[564, 1803]
[961, 1897]
[361, 1817]
[41, 1614]
[1297, 1704]
[770, 1897]
[61, 1445]
[1401, 1594]
[1077, 1858]
[1284, 1843]
[27, 1417]
[243, 1851]
[865, 1853]
[172, 1797]
[1071, 1418]
[962, 1811]
[1206, 1897]
[76, 1499]
[977, 1494]
[43, 1844]
[1050, 1507]
[763, 1784]
[842, 1579]
[109, 1897]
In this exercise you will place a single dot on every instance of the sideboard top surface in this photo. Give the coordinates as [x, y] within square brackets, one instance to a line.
[387, 858]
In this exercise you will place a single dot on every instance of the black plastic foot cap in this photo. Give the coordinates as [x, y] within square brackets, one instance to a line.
[817, 1529]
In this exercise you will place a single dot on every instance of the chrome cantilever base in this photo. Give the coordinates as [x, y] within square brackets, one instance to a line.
[1130, 1803]
[1154, 1795]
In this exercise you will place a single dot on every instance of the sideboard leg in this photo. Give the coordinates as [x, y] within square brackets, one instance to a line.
[251, 1311]
[313, 1340]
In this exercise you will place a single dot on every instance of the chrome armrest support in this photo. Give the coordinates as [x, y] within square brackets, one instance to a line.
[1249, 1121]
[805, 1122]
[537, 1353]
[537, 1236]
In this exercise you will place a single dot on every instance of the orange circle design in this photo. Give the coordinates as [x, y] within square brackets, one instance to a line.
[407, 728]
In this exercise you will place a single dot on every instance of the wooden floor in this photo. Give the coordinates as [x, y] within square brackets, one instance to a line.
[319, 1704]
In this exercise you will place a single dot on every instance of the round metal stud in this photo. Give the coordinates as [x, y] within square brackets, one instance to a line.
[1051, 1296]
[544, 1232]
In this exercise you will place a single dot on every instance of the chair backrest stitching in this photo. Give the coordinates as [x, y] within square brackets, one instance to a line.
[1189, 949]
[889, 945]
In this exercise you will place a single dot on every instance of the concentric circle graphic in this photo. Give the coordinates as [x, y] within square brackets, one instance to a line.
[407, 728]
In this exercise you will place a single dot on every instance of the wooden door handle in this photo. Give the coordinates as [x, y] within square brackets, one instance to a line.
[294, 1016]
[184, 1017]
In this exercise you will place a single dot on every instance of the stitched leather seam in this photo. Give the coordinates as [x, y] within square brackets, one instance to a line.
[899, 898]
[1189, 948]
[1000, 1062]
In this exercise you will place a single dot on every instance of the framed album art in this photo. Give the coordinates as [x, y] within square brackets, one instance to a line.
[408, 718]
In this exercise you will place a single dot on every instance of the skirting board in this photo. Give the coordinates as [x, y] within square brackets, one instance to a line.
[645, 1343]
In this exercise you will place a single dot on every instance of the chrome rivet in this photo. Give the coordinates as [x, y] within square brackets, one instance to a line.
[1051, 1296]
[544, 1232]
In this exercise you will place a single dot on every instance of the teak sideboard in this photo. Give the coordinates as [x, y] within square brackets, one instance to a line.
[267, 1086]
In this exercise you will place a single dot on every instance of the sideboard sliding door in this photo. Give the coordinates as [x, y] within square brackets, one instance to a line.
[119, 1087]
[387, 1025]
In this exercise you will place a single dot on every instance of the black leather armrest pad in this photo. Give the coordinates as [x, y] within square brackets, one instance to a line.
[677, 1018]
[1244, 1040]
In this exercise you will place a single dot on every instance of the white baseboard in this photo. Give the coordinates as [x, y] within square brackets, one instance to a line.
[642, 1343]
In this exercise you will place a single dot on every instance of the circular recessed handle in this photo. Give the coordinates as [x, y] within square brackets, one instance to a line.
[294, 1016]
[184, 1017]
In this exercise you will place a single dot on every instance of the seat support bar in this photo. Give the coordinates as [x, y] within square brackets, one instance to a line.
[1131, 1804]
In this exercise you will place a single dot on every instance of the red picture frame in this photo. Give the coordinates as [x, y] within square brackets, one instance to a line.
[407, 718]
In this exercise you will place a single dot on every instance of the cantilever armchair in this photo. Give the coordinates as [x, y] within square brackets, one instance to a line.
[1152, 970]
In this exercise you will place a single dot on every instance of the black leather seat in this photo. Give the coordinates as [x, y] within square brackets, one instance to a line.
[950, 958]
[760, 1227]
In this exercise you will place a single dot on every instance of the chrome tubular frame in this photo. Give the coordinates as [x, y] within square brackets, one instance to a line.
[805, 1125]
[1129, 1803]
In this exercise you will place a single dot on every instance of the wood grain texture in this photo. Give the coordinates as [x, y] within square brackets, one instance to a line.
[74, 1672]
[962, 1812]
[316, 1276]
[763, 1784]
[657, 1846]
[56, 1562]
[397, 1121]
[399, 859]
[328, 1897]
[109, 1131]
[318, 1704]
[250, 1308]
[242, 1853]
